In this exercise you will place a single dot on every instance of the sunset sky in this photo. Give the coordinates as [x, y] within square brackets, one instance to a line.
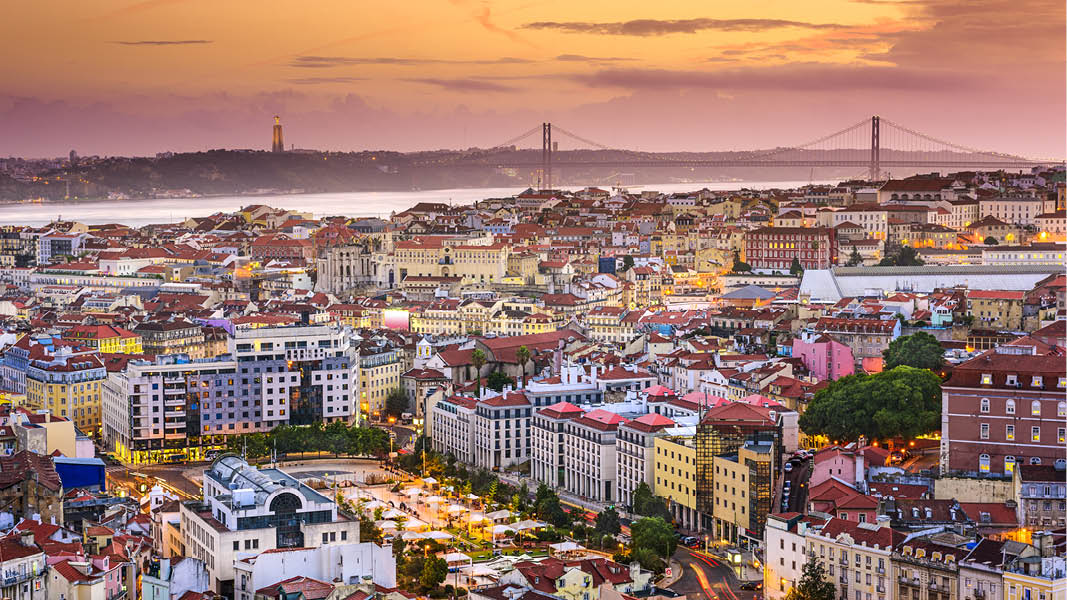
[124, 77]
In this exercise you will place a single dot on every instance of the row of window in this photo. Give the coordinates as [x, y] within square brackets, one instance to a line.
[1035, 406]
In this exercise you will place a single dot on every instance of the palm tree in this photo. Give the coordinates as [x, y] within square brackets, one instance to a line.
[523, 356]
[478, 360]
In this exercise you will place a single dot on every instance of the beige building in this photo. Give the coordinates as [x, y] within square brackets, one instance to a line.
[674, 474]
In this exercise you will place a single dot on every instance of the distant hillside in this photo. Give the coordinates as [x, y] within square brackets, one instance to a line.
[232, 172]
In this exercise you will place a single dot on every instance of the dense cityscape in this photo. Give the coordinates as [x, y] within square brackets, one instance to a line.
[533, 300]
[835, 391]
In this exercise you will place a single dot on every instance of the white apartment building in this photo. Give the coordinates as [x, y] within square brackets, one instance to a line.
[547, 445]
[635, 448]
[589, 459]
[346, 563]
[315, 372]
[452, 419]
[502, 430]
[246, 511]
[1016, 210]
[1037, 254]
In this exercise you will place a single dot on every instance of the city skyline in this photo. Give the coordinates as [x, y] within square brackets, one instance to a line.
[143, 77]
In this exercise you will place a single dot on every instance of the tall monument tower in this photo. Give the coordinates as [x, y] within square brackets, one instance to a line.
[277, 145]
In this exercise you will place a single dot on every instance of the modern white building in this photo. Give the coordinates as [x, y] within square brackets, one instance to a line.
[589, 460]
[634, 453]
[451, 422]
[347, 564]
[247, 511]
[547, 444]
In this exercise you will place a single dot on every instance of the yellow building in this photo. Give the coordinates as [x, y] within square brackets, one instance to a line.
[742, 492]
[105, 338]
[68, 386]
[1029, 579]
[996, 309]
[674, 474]
[379, 374]
[435, 257]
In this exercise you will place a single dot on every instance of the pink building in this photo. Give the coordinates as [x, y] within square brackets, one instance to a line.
[825, 357]
[838, 463]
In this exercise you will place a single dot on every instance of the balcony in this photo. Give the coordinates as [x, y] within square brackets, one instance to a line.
[880, 570]
[843, 579]
[880, 589]
[933, 586]
[843, 560]
[979, 594]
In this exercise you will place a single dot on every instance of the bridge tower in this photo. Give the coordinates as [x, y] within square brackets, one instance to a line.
[875, 169]
[546, 156]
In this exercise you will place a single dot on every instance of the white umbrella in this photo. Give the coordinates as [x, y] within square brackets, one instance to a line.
[429, 481]
[498, 514]
[438, 535]
[411, 491]
[455, 508]
[386, 524]
[392, 513]
[373, 504]
[434, 500]
[527, 524]
[498, 529]
[566, 547]
[471, 497]
[413, 535]
[453, 557]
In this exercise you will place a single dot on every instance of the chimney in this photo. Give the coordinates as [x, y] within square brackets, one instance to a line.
[883, 521]
[26, 537]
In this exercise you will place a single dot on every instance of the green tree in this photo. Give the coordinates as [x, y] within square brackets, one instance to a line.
[522, 354]
[795, 269]
[548, 509]
[478, 360]
[641, 498]
[607, 521]
[648, 559]
[990, 241]
[655, 534]
[814, 583]
[368, 530]
[920, 350]
[854, 259]
[902, 402]
[904, 256]
[434, 571]
[627, 263]
[396, 403]
[497, 380]
[739, 265]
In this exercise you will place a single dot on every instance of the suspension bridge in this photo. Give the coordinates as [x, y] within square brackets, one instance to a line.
[873, 145]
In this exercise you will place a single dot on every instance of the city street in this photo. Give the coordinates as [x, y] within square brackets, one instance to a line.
[708, 576]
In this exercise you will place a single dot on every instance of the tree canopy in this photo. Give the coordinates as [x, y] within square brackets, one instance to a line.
[920, 350]
[497, 380]
[854, 258]
[904, 256]
[607, 521]
[795, 269]
[990, 241]
[653, 534]
[396, 403]
[902, 402]
[644, 503]
[814, 583]
[739, 265]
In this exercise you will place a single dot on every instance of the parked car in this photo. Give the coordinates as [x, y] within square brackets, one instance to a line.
[788, 467]
[752, 585]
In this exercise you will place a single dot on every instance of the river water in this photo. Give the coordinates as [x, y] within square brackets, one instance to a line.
[362, 204]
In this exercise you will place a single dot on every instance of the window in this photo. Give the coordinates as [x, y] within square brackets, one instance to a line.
[1061, 435]
[1009, 464]
[1035, 460]
[987, 379]
[1035, 434]
[985, 405]
[1035, 408]
[1037, 381]
[983, 463]
[984, 434]
[1061, 409]
[1012, 380]
[1009, 407]
[1009, 432]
